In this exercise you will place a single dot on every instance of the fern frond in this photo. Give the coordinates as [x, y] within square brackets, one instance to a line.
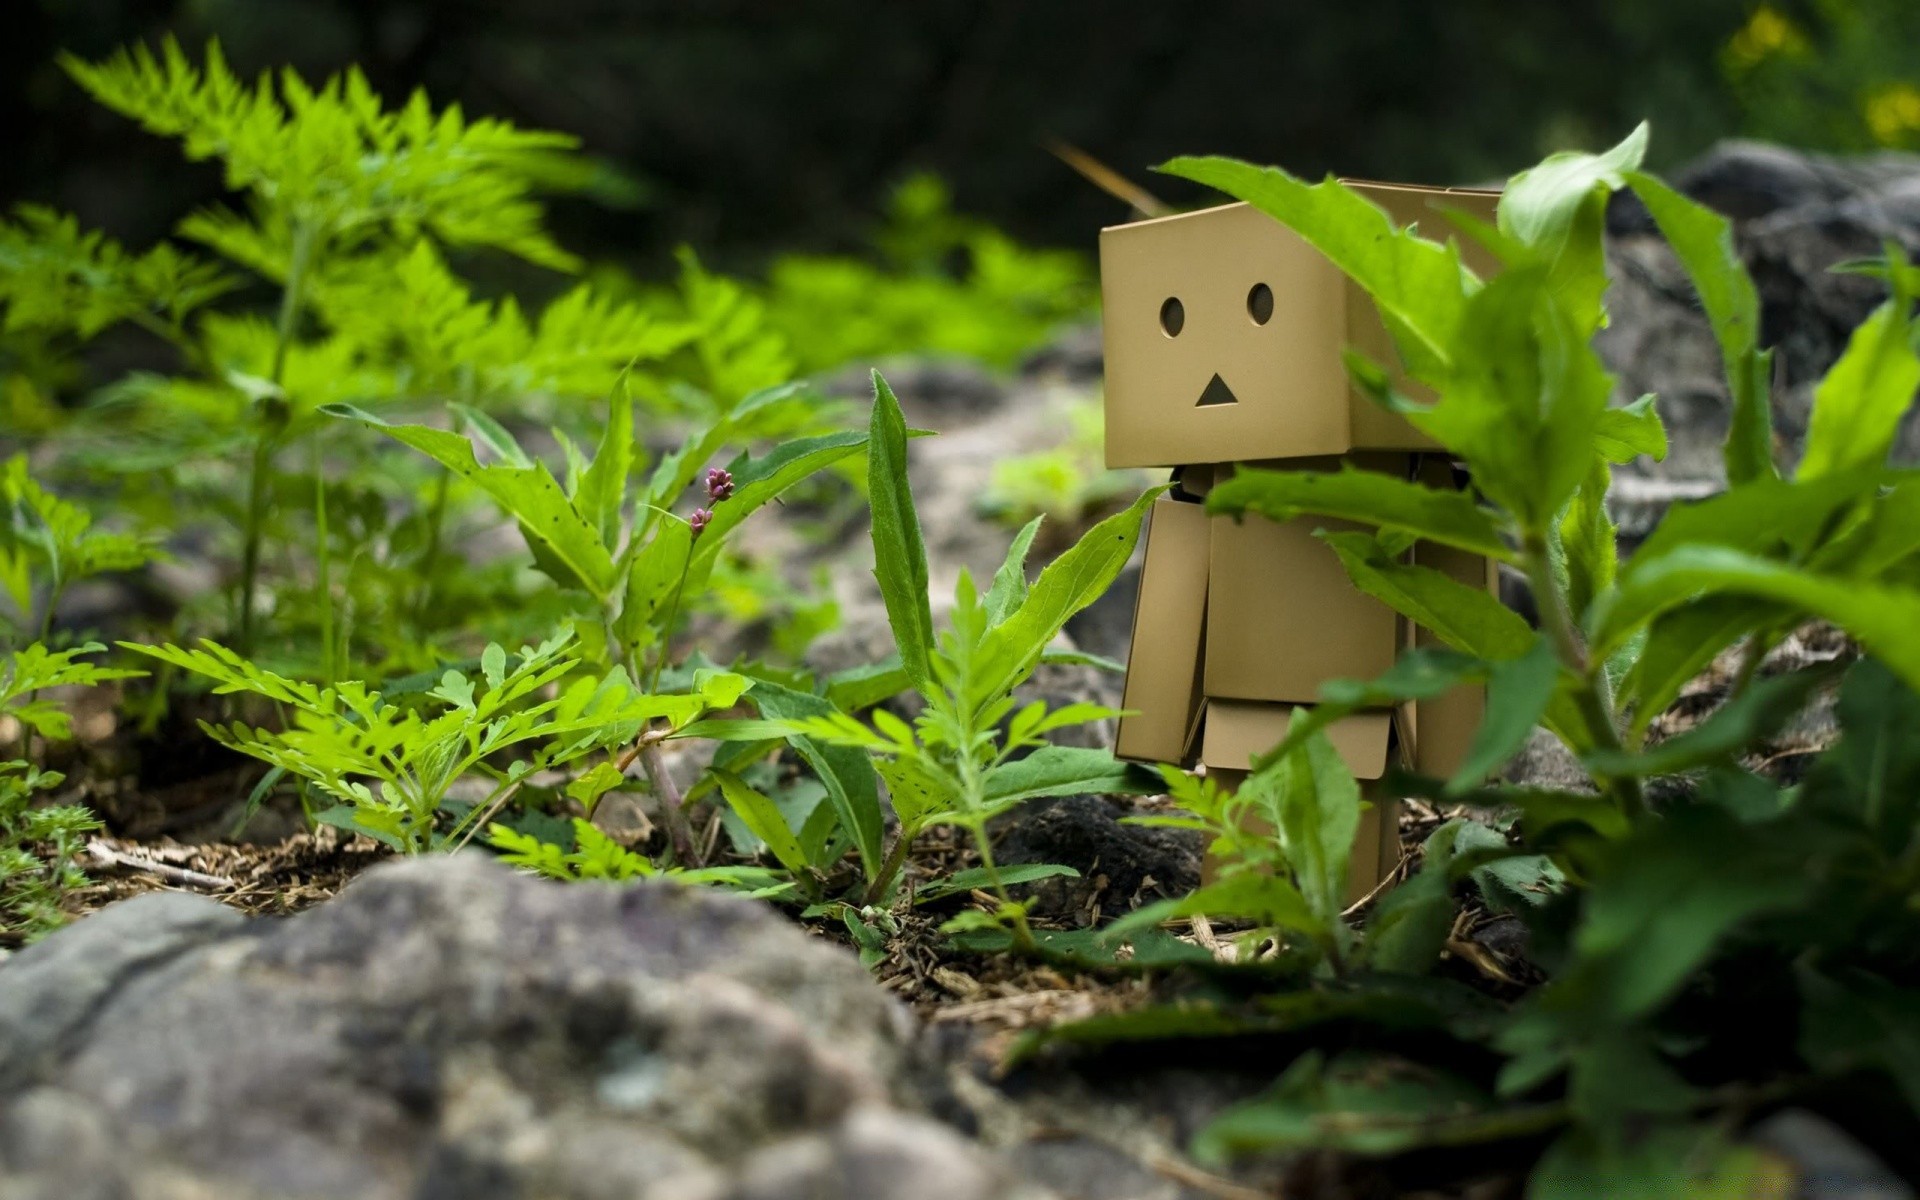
[58, 278]
[339, 164]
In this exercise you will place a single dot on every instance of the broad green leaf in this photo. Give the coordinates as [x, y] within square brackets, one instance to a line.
[1366, 1104]
[1855, 1021]
[847, 772]
[1524, 398]
[1416, 675]
[1464, 617]
[656, 584]
[1069, 583]
[899, 556]
[759, 480]
[1419, 285]
[1588, 550]
[1631, 430]
[1774, 517]
[493, 435]
[1663, 1162]
[1408, 927]
[1858, 406]
[1319, 813]
[1394, 505]
[1873, 775]
[603, 485]
[1703, 241]
[1065, 771]
[1736, 726]
[1265, 900]
[1540, 204]
[765, 819]
[1009, 588]
[1883, 618]
[566, 545]
[920, 796]
[1518, 691]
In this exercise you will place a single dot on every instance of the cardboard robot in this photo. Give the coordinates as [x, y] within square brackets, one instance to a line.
[1224, 334]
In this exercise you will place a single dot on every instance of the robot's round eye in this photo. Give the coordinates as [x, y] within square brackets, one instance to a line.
[1260, 303]
[1173, 316]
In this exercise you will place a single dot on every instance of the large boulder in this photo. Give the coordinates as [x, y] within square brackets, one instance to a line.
[447, 1028]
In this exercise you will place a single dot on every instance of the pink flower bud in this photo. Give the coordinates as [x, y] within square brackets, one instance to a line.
[719, 484]
[699, 520]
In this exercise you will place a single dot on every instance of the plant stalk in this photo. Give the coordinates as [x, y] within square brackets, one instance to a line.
[270, 431]
[1593, 697]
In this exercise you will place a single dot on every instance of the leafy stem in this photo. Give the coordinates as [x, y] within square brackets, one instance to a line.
[272, 425]
[1594, 694]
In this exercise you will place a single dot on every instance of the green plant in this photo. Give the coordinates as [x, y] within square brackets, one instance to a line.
[389, 765]
[1667, 928]
[48, 544]
[1069, 482]
[37, 841]
[972, 753]
[940, 282]
[349, 210]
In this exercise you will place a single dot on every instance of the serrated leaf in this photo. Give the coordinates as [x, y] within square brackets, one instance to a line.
[899, 556]
[1518, 692]
[1857, 407]
[1737, 725]
[1065, 771]
[765, 819]
[1628, 431]
[1009, 588]
[566, 545]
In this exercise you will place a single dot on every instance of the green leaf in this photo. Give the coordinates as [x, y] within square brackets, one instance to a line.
[1587, 539]
[1318, 809]
[1855, 1021]
[1069, 583]
[1367, 1104]
[1465, 617]
[656, 584]
[961, 882]
[764, 818]
[1265, 900]
[1872, 775]
[1419, 674]
[847, 772]
[1631, 430]
[1703, 241]
[1009, 588]
[1419, 285]
[1883, 618]
[1409, 926]
[1679, 645]
[1735, 727]
[603, 485]
[1394, 505]
[1518, 692]
[566, 544]
[899, 556]
[1065, 771]
[1666, 1162]
[1858, 406]
[756, 481]
[1539, 205]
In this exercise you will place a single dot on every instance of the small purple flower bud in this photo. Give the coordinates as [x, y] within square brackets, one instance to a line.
[699, 520]
[719, 484]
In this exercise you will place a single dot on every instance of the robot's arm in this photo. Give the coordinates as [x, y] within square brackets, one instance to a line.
[1169, 631]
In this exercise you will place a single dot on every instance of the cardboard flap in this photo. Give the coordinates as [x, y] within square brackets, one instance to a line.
[1169, 621]
[1237, 730]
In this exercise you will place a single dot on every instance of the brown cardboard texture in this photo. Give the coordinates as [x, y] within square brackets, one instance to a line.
[1282, 616]
[1224, 334]
[1169, 615]
[1444, 725]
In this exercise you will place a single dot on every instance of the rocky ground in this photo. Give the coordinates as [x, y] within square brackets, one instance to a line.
[448, 1029]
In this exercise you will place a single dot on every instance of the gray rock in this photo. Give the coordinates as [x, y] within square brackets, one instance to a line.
[448, 1028]
[50, 992]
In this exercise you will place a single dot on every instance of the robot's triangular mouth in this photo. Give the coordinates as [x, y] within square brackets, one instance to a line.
[1217, 393]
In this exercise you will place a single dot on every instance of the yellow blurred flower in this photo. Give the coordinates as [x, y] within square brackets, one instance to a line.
[1893, 113]
[1766, 34]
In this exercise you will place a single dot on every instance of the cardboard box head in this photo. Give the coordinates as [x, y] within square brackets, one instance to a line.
[1224, 334]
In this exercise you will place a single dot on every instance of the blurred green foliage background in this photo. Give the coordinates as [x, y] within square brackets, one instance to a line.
[749, 126]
